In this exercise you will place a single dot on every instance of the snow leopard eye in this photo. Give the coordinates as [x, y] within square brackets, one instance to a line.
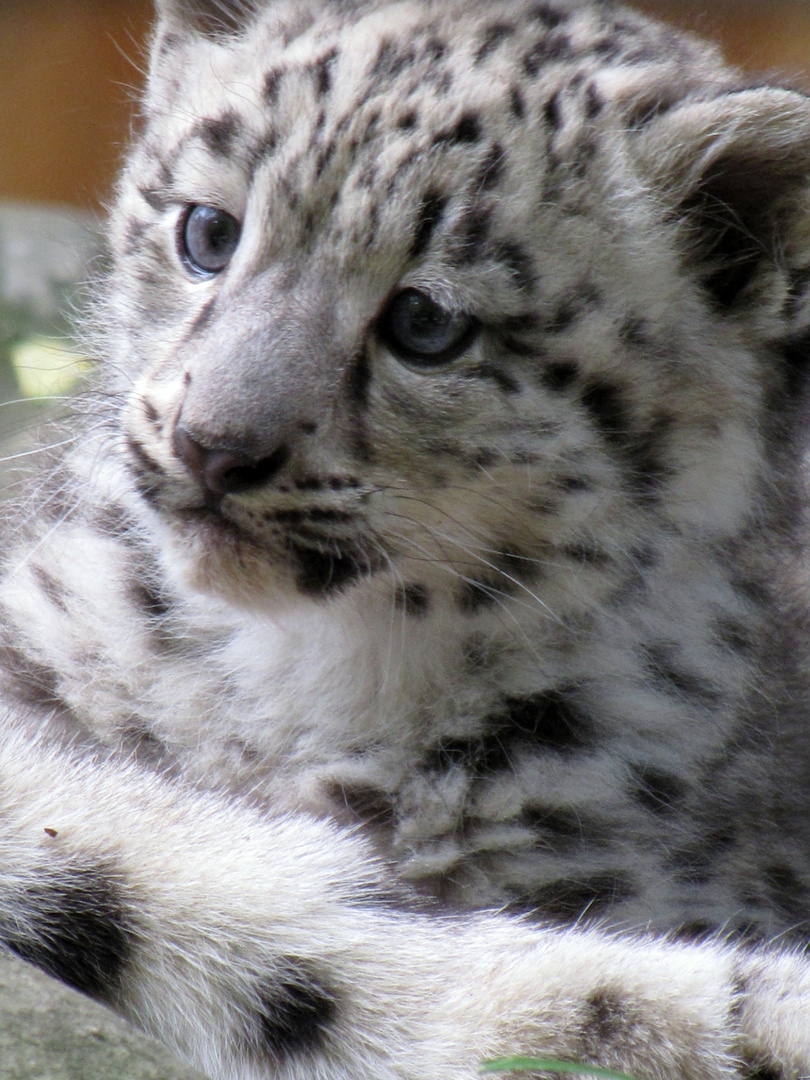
[208, 238]
[421, 332]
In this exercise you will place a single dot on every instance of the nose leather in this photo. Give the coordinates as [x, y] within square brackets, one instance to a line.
[225, 470]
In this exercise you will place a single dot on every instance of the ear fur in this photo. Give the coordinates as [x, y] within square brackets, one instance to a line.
[736, 168]
[211, 18]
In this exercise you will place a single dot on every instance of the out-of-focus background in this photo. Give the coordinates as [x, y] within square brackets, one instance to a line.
[69, 70]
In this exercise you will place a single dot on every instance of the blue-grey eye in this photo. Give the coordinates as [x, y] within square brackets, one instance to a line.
[421, 332]
[208, 238]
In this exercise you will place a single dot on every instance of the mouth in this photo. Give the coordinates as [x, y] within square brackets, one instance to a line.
[306, 544]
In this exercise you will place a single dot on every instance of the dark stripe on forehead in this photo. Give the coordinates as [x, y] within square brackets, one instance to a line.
[466, 130]
[219, 134]
[428, 219]
[493, 37]
[322, 73]
[518, 262]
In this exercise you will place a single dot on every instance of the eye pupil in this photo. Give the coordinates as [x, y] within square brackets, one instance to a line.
[208, 239]
[422, 332]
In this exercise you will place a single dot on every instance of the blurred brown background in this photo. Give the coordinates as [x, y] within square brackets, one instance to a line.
[69, 71]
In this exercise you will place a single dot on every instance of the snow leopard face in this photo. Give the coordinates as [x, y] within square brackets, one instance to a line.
[405, 301]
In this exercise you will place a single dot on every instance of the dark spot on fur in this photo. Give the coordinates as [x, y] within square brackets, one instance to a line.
[322, 73]
[477, 653]
[696, 930]
[263, 148]
[549, 15]
[203, 317]
[574, 898]
[154, 197]
[655, 789]
[797, 293]
[734, 634]
[788, 893]
[547, 722]
[408, 120]
[493, 37]
[149, 599]
[634, 331]
[112, 520]
[145, 465]
[133, 235]
[308, 514]
[143, 746]
[550, 720]
[573, 485]
[552, 111]
[586, 554]
[493, 167]
[573, 307]
[272, 85]
[562, 830]
[502, 379]
[795, 355]
[413, 599]
[605, 1018]
[695, 862]
[523, 348]
[359, 379]
[466, 130]
[435, 50]
[31, 682]
[76, 928]
[518, 262]
[760, 1070]
[516, 103]
[365, 802]
[645, 453]
[508, 566]
[605, 405]
[475, 225]
[643, 112]
[558, 376]
[219, 134]
[427, 220]
[554, 47]
[476, 595]
[391, 60]
[663, 664]
[295, 1010]
[321, 572]
[152, 415]
[594, 103]
[54, 591]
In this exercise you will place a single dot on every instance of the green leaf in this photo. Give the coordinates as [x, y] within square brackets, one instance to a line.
[549, 1065]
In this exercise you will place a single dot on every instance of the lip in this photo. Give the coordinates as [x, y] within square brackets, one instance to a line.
[213, 526]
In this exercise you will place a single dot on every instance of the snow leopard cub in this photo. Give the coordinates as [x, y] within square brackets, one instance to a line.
[425, 570]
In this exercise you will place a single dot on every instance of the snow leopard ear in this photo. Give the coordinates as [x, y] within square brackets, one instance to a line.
[212, 18]
[736, 171]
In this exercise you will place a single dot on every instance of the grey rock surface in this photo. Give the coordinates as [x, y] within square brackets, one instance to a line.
[49, 1032]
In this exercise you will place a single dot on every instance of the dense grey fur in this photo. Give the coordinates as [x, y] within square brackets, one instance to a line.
[315, 653]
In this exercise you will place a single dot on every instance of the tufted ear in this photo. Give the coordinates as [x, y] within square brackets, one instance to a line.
[736, 169]
[212, 18]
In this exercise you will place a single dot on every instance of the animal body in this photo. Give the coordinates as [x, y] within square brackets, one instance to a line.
[406, 662]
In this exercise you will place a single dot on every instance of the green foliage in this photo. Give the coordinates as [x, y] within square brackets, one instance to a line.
[548, 1065]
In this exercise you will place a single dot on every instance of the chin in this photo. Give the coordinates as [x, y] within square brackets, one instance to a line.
[213, 557]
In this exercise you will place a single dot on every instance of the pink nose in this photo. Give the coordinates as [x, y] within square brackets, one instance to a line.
[225, 471]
